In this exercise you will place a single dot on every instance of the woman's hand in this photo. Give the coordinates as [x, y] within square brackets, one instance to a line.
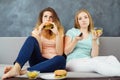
[39, 30]
[96, 35]
[54, 29]
[41, 27]
[77, 38]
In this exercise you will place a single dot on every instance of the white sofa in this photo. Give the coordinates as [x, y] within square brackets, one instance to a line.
[10, 46]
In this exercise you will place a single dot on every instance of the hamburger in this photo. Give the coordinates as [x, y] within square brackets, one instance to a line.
[60, 73]
[48, 25]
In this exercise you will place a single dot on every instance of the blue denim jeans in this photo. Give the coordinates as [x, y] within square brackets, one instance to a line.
[30, 51]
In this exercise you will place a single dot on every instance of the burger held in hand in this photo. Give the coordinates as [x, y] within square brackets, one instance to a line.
[48, 25]
[60, 73]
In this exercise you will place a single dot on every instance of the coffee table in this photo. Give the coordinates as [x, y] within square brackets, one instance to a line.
[71, 76]
[98, 78]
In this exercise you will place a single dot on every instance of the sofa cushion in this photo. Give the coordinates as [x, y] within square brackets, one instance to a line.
[10, 46]
[110, 46]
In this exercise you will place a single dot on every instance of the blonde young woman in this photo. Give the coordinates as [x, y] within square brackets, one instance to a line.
[82, 51]
[44, 49]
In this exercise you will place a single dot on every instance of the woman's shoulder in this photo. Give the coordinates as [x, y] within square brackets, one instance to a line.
[73, 31]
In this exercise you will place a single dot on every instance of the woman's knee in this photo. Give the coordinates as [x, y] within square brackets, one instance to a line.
[60, 59]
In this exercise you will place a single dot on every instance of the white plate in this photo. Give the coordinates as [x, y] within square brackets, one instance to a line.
[49, 76]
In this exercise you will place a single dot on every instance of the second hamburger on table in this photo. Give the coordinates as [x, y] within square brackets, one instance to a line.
[60, 73]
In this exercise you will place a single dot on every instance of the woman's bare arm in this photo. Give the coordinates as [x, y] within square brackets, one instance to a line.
[70, 44]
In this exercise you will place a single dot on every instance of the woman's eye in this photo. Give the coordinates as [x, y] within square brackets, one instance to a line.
[51, 17]
[45, 16]
[86, 17]
[79, 18]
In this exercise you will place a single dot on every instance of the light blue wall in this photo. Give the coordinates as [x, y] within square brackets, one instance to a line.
[18, 17]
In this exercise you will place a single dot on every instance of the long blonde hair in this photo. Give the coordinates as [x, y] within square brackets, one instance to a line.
[76, 24]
